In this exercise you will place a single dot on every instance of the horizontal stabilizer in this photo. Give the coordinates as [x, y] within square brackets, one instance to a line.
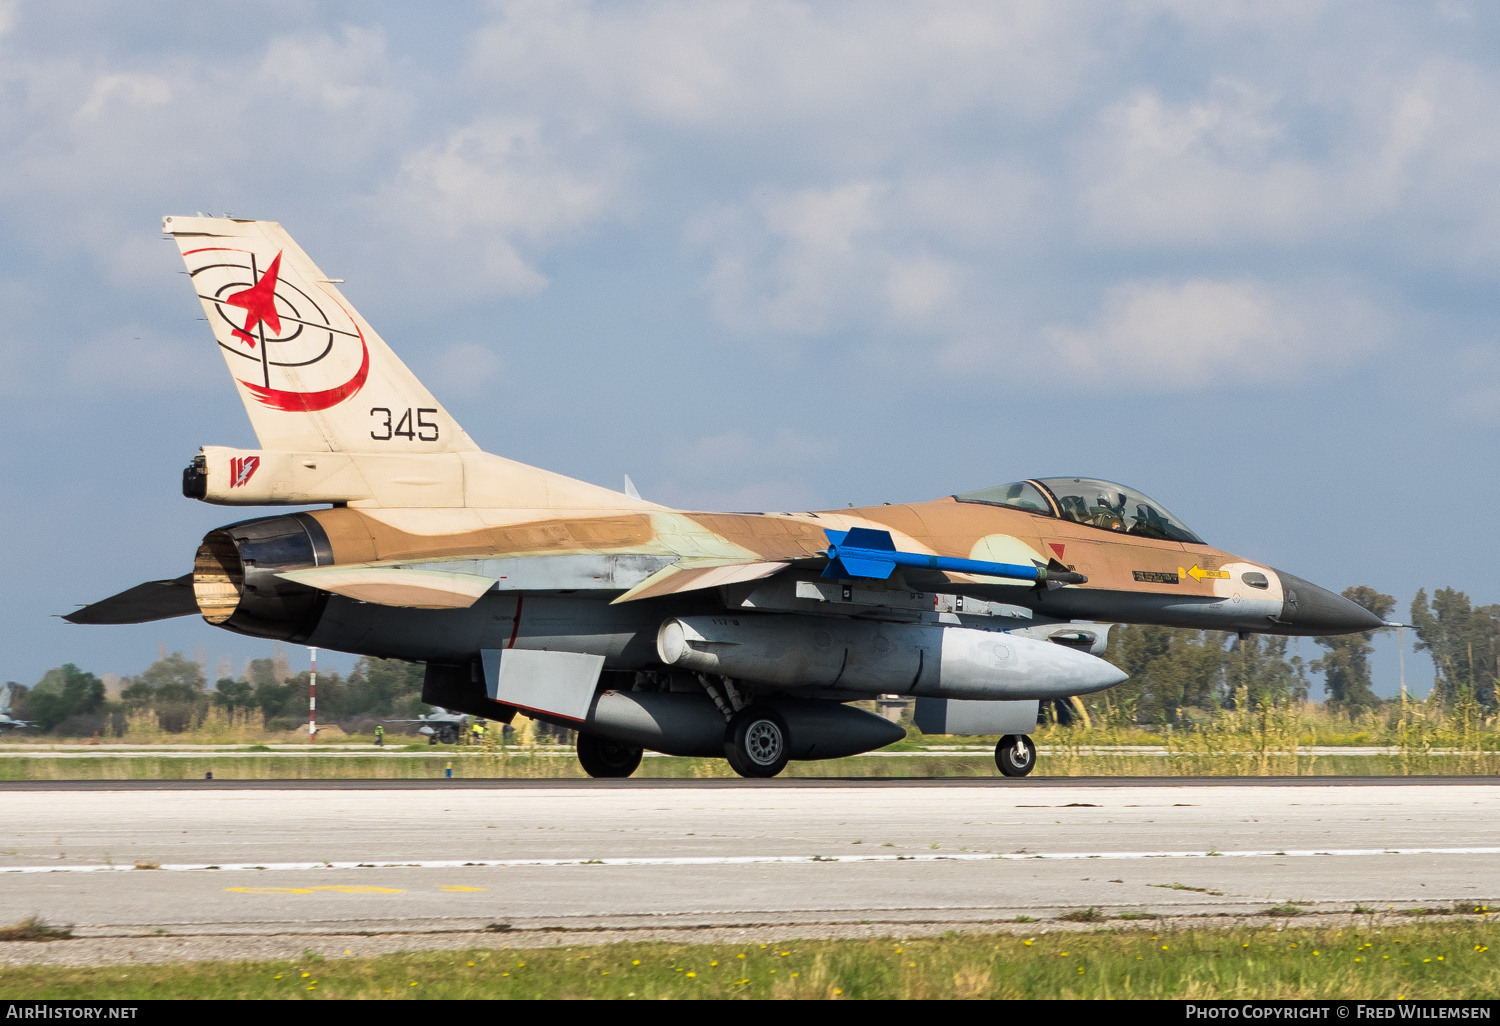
[154, 600]
[396, 586]
[694, 575]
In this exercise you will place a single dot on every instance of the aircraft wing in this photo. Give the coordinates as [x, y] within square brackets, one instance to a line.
[458, 584]
[396, 585]
[693, 574]
[154, 600]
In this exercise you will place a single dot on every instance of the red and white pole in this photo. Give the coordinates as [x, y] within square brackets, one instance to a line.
[312, 699]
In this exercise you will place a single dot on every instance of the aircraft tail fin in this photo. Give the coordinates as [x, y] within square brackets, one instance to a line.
[312, 373]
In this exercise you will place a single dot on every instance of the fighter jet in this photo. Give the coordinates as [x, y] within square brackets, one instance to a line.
[7, 721]
[743, 636]
[441, 725]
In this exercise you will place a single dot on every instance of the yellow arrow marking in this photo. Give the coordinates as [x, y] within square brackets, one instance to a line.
[1197, 574]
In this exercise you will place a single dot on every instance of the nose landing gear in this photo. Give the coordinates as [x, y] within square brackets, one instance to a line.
[1015, 755]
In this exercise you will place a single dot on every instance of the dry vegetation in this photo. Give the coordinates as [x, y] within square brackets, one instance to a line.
[1272, 738]
[1249, 739]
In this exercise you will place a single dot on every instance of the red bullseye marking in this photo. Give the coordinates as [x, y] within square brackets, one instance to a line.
[311, 402]
[259, 302]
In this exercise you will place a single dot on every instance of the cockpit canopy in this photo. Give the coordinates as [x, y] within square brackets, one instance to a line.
[1083, 500]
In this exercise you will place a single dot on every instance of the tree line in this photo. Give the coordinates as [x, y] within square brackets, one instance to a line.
[1175, 676]
[70, 701]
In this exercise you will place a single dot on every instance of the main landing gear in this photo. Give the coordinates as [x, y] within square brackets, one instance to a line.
[601, 757]
[755, 742]
[1015, 754]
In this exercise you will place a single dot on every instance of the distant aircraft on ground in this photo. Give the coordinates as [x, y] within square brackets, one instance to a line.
[736, 635]
[440, 725]
[7, 721]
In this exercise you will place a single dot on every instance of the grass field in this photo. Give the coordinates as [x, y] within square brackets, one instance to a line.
[432, 764]
[1382, 960]
[1302, 739]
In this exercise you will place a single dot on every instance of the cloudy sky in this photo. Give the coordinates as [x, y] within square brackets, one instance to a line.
[1242, 256]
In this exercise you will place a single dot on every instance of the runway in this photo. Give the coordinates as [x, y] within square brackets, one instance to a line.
[627, 855]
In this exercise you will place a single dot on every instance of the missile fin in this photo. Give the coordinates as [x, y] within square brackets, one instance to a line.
[845, 565]
[868, 538]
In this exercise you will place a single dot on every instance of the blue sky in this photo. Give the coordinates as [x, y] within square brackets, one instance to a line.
[1242, 256]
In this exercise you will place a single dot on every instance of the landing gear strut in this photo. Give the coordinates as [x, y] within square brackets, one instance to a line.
[1015, 754]
[755, 742]
[601, 757]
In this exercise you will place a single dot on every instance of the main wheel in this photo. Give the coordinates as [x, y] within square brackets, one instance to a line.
[601, 757]
[1015, 754]
[755, 742]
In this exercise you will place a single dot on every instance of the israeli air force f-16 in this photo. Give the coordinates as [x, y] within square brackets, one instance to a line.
[7, 721]
[742, 636]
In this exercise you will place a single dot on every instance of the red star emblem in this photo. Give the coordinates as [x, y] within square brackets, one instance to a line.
[259, 302]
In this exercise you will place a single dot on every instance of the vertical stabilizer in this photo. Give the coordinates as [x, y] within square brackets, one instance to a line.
[312, 373]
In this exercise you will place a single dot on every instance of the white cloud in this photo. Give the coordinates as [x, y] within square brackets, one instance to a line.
[1212, 170]
[494, 187]
[340, 72]
[464, 369]
[739, 471]
[127, 90]
[740, 66]
[98, 146]
[888, 256]
[1198, 332]
[791, 261]
[920, 285]
[906, 175]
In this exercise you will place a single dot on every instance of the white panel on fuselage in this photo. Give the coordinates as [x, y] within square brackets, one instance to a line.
[556, 683]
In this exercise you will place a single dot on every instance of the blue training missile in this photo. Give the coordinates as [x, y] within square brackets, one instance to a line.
[863, 552]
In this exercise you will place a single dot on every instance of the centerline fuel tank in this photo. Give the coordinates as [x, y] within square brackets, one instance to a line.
[929, 660]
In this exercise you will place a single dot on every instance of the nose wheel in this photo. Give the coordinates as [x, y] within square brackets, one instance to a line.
[755, 742]
[601, 757]
[1015, 754]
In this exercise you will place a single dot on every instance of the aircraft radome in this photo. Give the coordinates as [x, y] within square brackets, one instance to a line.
[735, 635]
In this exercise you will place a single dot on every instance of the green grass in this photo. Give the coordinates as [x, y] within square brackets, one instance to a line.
[398, 765]
[1439, 960]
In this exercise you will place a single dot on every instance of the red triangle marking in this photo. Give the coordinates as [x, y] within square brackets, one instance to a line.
[1055, 547]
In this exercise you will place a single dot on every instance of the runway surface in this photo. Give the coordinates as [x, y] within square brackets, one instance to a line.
[535, 855]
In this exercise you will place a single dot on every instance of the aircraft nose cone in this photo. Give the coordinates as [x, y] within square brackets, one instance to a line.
[1310, 609]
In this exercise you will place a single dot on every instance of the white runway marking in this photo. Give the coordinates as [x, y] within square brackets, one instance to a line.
[741, 860]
